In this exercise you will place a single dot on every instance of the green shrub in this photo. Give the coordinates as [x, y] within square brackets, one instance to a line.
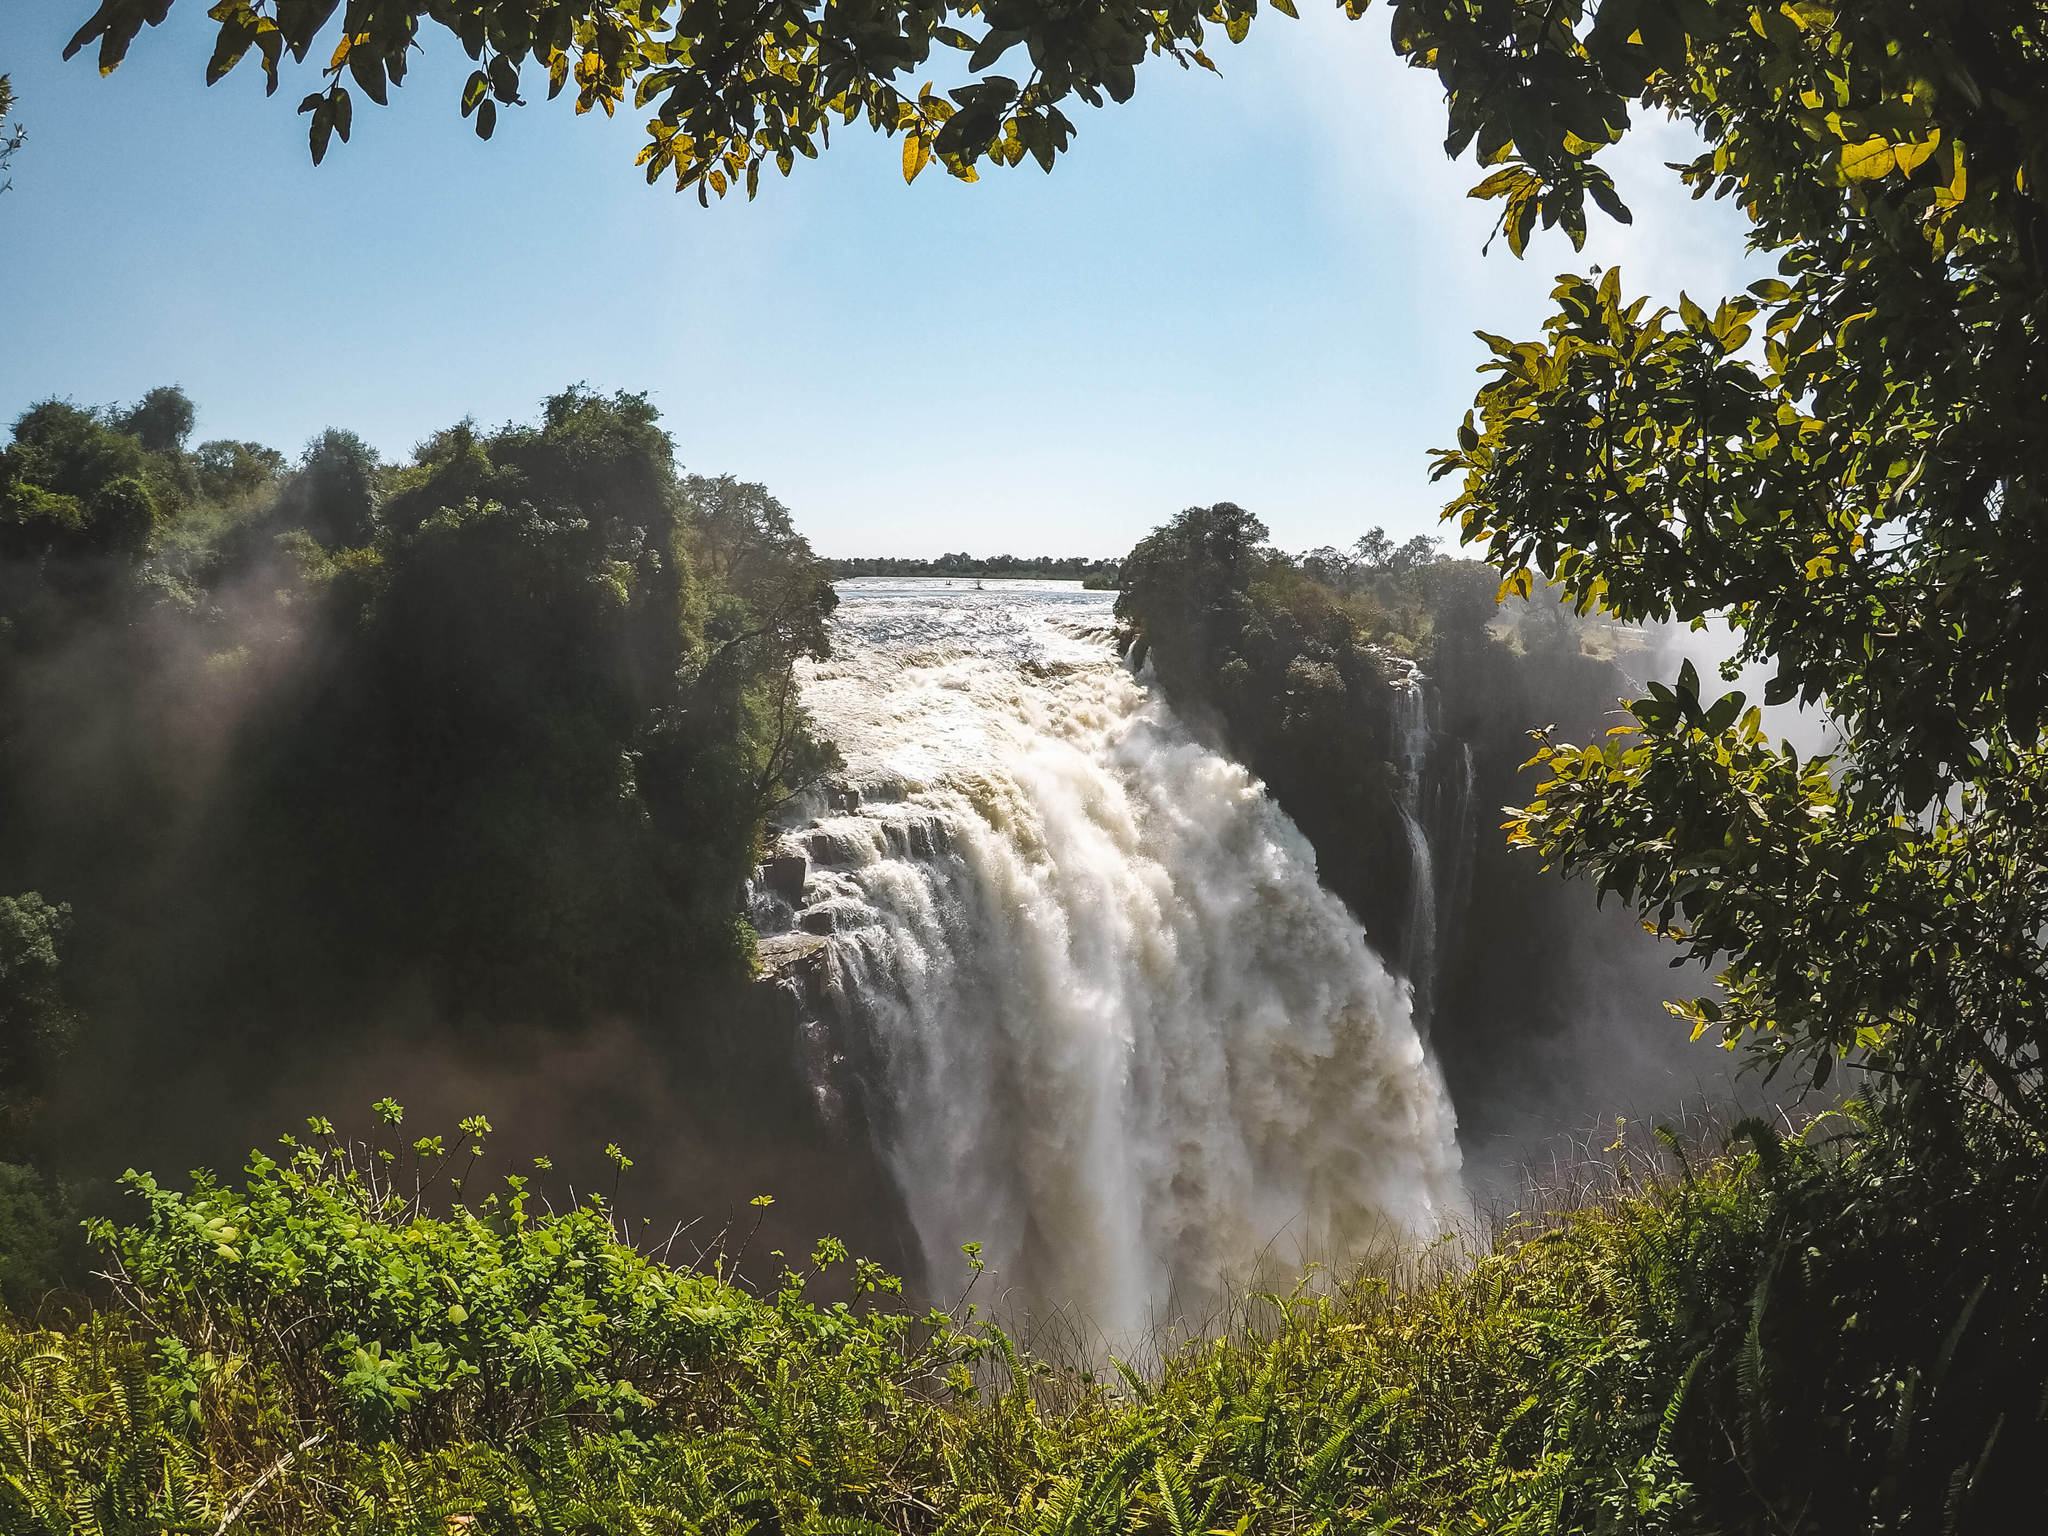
[1788, 1338]
[361, 1308]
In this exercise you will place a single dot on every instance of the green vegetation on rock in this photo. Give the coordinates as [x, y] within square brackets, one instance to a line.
[1308, 666]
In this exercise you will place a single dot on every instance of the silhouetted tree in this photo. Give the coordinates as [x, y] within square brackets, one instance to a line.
[227, 469]
[335, 494]
[161, 420]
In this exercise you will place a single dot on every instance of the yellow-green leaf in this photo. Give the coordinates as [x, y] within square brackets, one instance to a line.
[1869, 160]
[915, 154]
[1912, 156]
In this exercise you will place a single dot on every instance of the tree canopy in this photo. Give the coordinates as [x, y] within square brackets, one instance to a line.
[1863, 499]
[733, 88]
[12, 134]
[1932, 93]
[286, 746]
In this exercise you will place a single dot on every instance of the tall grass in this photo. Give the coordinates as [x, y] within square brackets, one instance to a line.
[328, 1348]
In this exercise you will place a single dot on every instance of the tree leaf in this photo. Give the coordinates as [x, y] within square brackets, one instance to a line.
[368, 72]
[1869, 160]
[916, 153]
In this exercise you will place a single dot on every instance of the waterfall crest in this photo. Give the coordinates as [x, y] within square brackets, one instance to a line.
[1108, 1023]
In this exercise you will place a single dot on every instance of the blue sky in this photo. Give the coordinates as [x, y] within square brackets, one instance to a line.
[1258, 288]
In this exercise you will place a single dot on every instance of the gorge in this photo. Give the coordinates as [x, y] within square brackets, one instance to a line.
[1070, 970]
[1139, 937]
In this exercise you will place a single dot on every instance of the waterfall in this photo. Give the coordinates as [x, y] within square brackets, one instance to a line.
[1456, 896]
[1109, 1024]
[1419, 941]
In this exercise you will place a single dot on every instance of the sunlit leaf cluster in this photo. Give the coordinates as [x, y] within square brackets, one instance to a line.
[732, 88]
[1911, 946]
[1847, 462]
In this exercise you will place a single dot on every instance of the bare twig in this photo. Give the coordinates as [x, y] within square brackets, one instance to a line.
[257, 1487]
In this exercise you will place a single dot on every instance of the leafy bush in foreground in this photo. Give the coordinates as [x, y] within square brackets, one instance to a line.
[1789, 1339]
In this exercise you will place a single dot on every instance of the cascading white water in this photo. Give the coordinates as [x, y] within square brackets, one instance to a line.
[1418, 945]
[1122, 1037]
[1456, 896]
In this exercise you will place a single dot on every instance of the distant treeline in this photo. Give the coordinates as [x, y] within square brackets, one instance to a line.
[1094, 573]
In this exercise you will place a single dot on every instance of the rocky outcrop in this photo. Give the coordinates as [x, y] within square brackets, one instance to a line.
[784, 875]
[785, 957]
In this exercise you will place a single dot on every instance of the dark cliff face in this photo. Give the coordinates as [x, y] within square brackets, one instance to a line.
[1322, 735]
[1392, 724]
[1550, 1008]
[1288, 673]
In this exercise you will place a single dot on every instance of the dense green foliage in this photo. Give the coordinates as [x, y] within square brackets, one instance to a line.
[1537, 89]
[40, 1243]
[490, 733]
[326, 1274]
[536, 715]
[1301, 674]
[333, 1345]
[1862, 499]
[36, 1026]
[733, 90]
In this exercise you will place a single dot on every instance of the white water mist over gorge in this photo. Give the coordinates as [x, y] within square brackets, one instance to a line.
[1107, 1022]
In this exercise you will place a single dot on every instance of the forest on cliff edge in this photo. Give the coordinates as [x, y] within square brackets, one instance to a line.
[292, 751]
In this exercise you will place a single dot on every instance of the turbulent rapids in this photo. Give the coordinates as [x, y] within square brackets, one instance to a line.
[1104, 1020]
